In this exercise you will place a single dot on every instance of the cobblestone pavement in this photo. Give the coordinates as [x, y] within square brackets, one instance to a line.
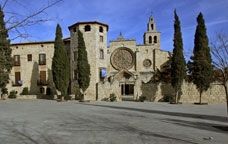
[51, 122]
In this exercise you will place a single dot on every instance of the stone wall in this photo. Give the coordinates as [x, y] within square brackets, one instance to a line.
[104, 89]
[30, 70]
[162, 91]
[93, 45]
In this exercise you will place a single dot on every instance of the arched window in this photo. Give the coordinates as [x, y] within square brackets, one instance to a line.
[101, 54]
[152, 26]
[155, 39]
[150, 39]
[101, 29]
[87, 28]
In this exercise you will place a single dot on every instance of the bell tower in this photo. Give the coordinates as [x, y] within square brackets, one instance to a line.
[152, 36]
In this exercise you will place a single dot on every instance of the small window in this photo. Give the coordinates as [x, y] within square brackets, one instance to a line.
[150, 39]
[29, 57]
[101, 38]
[87, 28]
[101, 54]
[101, 29]
[102, 73]
[155, 39]
[16, 60]
[42, 59]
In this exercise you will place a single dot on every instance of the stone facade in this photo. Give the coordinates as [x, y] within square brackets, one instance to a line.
[123, 68]
[163, 91]
[129, 64]
[95, 37]
[30, 60]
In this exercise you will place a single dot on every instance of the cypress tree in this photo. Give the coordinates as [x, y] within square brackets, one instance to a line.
[60, 64]
[201, 68]
[178, 64]
[5, 53]
[83, 65]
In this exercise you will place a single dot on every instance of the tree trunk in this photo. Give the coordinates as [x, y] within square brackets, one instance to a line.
[62, 98]
[176, 96]
[82, 94]
[200, 101]
[1, 93]
[226, 91]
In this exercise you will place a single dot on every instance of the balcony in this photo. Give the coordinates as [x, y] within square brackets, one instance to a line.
[17, 84]
[16, 63]
[42, 62]
[42, 82]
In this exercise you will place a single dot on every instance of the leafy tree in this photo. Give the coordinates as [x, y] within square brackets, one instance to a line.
[83, 65]
[60, 64]
[200, 68]
[178, 64]
[5, 53]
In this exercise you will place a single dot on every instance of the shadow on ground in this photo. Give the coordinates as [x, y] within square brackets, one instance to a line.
[178, 114]
[198, 125]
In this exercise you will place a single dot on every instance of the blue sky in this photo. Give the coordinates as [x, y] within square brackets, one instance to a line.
[130, 17]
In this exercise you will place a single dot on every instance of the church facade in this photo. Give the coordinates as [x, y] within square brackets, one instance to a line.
[121, 67]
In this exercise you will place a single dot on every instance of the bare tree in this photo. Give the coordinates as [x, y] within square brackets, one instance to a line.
[17, 21]
[220, 61]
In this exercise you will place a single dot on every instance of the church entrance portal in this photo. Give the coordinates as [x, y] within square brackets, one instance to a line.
[127, 91]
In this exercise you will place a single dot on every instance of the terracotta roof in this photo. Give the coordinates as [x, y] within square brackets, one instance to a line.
[39, 42]
[32, 43]
[89, 22]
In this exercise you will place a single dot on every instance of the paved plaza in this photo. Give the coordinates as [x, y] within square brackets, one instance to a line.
[51, 122]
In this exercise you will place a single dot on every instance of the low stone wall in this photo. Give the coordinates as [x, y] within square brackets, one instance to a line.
[162, 92]
[215, 94]
[190, 94]
[26, 97]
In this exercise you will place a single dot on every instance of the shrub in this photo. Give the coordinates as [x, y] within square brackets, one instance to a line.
[142, 98]
[4, 91]
[79, 96]
[13, 94]
[105, 99]
[25, 91]
[49, 92]
[42, 90]
[67, 97]
[76, 91]
[112, 97]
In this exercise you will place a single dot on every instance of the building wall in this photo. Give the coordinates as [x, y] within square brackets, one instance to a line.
[30, 70]
[161, 91]
[93, 47]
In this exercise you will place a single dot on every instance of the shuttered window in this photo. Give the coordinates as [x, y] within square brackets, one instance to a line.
[42, 59]
[29, 56]
[16, 60]
[42, 76]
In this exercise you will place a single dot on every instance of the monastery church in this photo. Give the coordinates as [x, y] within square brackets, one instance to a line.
[123, 68]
